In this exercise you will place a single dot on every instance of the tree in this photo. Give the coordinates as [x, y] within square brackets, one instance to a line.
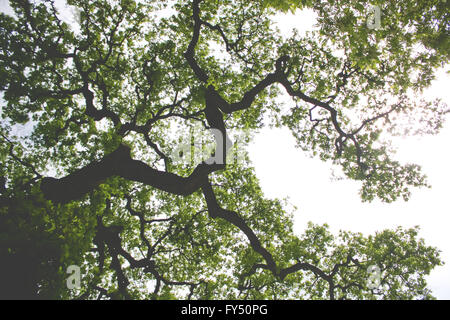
[106, 101]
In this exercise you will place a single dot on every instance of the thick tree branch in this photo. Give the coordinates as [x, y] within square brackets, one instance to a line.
[120, 163]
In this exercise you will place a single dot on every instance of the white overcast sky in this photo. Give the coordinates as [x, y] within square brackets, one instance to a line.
[285, 171]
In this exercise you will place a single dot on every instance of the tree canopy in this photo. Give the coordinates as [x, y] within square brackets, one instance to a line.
[105, 101]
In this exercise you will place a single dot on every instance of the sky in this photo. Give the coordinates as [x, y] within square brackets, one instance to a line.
[308, 185]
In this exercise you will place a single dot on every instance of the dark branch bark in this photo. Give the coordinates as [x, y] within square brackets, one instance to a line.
[215, 211]
[120, 163]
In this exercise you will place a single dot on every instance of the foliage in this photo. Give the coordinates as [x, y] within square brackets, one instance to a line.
[104, 101]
